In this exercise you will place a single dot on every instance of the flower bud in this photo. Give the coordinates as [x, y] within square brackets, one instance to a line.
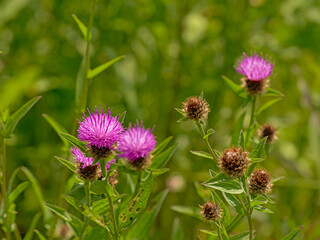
[211, 211]
[195, 108]
[234, 161]
[260, 182]
[269, 131]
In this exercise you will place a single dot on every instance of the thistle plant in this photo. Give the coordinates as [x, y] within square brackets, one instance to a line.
[238, 185]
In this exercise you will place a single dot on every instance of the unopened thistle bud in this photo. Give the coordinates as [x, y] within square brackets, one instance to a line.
[256, 71]
[234, 161]
[211, 211]
[260, 182]
[268, 131]
[195, 108]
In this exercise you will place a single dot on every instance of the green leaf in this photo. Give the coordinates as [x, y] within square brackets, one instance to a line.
[240, 236]
[74, 141]
[96, 233]
[160, 160]
[142, 228]
[180, 111]
[227, 186]
[274, 180]
[177, 233]
[17, 191]
[41, 237]
[236, 131]
[122, 116]
[67, 163]
[57, 127]
[262, 209]
[241, 141]
[82, 27]
[202, 154]
[237, 89]
[189, 211]
[273, 93]
[210, 131]
[161, 146]
[101, 187]
[215, 178]
[157, 171]
[233, 202]
[102, 67]
[80, 84]
[131, 212]
[293, 234]
[183, 119]
[33, 224]
[267, 105]
[209, 232]
[62, 213]
[14, 119]
[256, 154]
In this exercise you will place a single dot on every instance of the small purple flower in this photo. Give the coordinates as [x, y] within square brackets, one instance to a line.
[80, 158]
[136, 143]
[100, 130]
[254, 67]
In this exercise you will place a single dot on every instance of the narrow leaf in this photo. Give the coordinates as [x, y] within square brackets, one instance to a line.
[40, 236]
[160, 160]
[101, 68]
[227, 186]
[236, 131]
[267, 105]
[209, 232]
[57, 127]
[161, 146]
[262, 209]
[210, 131]
[74, 141]
[17, 191]
[273, 93]
[67, 163]
[80, 82]
[293, 234]
[240, 236]
[237, 89]
[202, 154]
[276, 179]
[59, 211]
[14, 119]
[186, 210]
[177, 233]
[82, 27]
[33, 224]
[233, 202]
[241, 141]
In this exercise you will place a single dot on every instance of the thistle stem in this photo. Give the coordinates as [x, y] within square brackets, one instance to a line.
[252, 116]
[113, 217]
[88, 198]
[4, 185]
[219, 233]
[212, 152]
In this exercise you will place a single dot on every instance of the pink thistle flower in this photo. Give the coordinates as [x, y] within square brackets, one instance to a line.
[136, 144]
[80, 158]
[254, 67]
[100, 130]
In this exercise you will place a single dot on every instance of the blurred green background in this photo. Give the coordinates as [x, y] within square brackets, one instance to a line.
[174, 49]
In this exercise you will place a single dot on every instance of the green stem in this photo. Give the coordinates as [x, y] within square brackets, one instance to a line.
[212, 152]
[84, 96]
[249, 209]
[113, 217]
[252, 116]
[219, 233]
[250, 225]
[4, 186]
[88, 198]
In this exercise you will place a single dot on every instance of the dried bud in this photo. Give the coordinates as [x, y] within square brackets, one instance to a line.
[234, 161]
[269, 131]
[211, 211]
[112, 179]
[141, 163]
[196, 108]
[255, 87]
[259, 182]
[89, 172]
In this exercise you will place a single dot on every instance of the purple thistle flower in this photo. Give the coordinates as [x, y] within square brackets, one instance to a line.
[136, 143]
[80, 158]
[100, 130]
[254, 67]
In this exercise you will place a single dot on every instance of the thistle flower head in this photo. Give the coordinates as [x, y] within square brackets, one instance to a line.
[269, 131]
[234, 161]
[211, 211]
[195, 108]
[254, 67]
[84, 165]
[100, 130]
[136, 144]
[260, 182]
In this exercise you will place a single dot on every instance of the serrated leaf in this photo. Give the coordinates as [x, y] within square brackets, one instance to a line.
[236, 131]
[209, 232]
[161, 159]
[267, 105]
[142, 228]
[240, 236]
[237, 89]
[186, 210]
[17, 191]
[14, 119]
[201, 154]
[293, 234]
[74, 141]
[102, 67]
[262, 209]
[67, 163]
[270, 92]
[227, 186]
[40, 236]
[131, 212]
[82, 27]
[57, 127]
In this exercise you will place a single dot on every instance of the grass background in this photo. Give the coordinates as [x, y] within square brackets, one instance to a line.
[174, 49]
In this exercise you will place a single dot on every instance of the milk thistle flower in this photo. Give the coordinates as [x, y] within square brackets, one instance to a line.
[256, 71]
[101, 131]
[234, 161]
[136, 144]
[269, 131]
[211, 211]
[260, 182]
[195, 108]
